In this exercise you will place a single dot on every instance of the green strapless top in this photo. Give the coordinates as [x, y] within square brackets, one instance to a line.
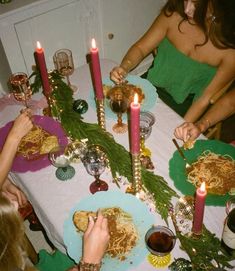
[179, 74]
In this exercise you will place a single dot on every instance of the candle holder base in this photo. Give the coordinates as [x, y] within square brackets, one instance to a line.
[101, 113]
[136, 170]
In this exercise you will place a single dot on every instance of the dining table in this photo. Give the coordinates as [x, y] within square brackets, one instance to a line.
[52, 199]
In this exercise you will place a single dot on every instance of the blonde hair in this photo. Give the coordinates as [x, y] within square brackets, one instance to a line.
[12, 253]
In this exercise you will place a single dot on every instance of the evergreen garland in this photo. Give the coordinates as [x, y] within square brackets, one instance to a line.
[203, 251]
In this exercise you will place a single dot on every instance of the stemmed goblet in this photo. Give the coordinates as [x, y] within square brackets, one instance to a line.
[147, 120]
[20, 87]
[60, 158]
[95, 162]
[63, 61]
[160, 241]
[118, 104]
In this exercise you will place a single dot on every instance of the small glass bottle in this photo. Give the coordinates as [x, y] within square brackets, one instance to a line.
[228, 236]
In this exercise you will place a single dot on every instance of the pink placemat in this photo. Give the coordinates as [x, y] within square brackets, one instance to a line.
[33, 104]
[21, 164]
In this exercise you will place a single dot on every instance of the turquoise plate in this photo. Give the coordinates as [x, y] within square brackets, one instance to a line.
[177, 168]
[148, 89]
[142, 218]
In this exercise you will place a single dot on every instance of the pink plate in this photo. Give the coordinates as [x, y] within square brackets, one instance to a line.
[22, 164]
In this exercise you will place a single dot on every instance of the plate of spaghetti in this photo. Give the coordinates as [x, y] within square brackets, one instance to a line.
[213, 162]
[128, 221]
[32, 153]
[146, 91]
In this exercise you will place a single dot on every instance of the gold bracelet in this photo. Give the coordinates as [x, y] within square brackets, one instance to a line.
[82, 266]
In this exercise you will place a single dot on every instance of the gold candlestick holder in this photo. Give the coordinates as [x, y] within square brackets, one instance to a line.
[101, 113]
[136, 186]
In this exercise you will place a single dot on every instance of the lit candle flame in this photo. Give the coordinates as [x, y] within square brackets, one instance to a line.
[93, 44]
[203, 187]
[39, 45]
[136, 98]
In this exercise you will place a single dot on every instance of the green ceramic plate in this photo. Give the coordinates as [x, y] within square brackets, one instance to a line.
[177, 167]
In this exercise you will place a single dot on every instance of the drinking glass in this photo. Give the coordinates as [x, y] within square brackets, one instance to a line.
[119, 104]
[95, 162]
[147, 120]
[63, 61]
[60, 158]
[20, 87]
[160, 241]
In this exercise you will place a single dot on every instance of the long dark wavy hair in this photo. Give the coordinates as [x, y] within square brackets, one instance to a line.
[221, 28]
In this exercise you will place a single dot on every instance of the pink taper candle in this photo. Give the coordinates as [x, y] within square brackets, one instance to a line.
[40, 58]
[199, 209]
[135, 126]
[95, 65]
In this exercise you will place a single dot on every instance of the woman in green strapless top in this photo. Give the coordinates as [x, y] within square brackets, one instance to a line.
[195, 43]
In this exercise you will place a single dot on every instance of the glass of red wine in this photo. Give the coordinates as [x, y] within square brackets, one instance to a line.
[160, 241]
[118, 104]
[95, 162]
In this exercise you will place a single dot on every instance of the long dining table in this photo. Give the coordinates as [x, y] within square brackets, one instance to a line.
[53, 199]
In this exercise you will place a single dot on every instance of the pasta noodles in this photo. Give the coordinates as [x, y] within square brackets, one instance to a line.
[217, 171]
[123, 234]
[32, 142]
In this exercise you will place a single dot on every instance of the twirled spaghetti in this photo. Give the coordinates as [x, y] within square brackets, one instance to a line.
[217, 171]
[123, 234]
[31, 143]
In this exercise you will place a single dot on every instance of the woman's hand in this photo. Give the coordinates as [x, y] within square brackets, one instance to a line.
[187, 131]
[22, 125]
[13, 193]
[118, 74]
[95, 240]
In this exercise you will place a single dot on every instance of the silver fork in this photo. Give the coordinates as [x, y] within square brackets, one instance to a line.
[187, 165]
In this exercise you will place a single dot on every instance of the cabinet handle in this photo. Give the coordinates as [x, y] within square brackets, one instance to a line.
[110, 36]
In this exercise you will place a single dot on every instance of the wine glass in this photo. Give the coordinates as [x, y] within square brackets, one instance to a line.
[20, 87]
[147, 120]
[160, 241]
[118, 104]
[95, 162]
[63, 61]
[60, 158]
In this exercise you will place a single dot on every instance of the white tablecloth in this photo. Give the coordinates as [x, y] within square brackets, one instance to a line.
[52, 199]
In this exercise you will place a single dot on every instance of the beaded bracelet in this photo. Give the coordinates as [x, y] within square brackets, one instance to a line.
[82, 266]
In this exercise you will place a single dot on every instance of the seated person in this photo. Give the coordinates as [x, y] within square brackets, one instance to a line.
[195, 42]
[13, 255]
[21, 126]
[221, 110]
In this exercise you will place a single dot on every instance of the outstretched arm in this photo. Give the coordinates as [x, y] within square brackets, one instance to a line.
[221, 110]
[143, 47]
[22, 125]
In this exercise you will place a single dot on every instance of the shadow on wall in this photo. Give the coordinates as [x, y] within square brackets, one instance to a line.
[5, 71]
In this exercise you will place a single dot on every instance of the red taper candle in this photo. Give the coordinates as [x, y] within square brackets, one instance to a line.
[135, 126]
[40, 59]
[199, 209]
[96, 71]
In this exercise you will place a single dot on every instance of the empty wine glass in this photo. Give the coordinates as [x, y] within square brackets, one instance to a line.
[147, 120]
[60, 158]
[95, 162]
[160, 241]
[118, 104]
[63, 61]
[20, 87]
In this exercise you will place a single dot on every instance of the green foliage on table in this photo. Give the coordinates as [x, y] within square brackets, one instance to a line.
[207, 248]
[205, 251]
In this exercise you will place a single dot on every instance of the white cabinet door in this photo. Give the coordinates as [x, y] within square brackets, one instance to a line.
[127, 21]
[57, 25]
